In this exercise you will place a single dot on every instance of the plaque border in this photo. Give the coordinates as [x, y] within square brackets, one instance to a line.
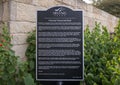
[82, 46]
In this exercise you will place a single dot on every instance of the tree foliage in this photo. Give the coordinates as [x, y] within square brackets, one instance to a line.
[110, 6]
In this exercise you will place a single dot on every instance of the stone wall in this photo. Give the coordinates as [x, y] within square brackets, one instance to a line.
[4, 13]
[21, 15]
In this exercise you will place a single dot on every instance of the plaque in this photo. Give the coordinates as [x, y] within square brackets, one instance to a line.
[59, 49]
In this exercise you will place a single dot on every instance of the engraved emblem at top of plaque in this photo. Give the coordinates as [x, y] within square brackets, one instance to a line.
[59, 12]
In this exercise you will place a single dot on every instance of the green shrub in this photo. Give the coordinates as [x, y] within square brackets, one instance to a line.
[12, 70]
[8, 60]
[102, 56]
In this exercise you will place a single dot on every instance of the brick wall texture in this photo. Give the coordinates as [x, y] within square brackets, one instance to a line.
[21, 17]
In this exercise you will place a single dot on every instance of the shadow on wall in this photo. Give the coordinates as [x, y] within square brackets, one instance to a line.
[1, 10]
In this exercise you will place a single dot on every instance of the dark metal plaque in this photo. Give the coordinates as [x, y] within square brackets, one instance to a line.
[59, 49]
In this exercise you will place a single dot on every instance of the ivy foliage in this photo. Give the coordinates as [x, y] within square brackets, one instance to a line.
[31, 54]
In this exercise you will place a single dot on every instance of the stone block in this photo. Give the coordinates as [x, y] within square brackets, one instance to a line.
[24, 1]
[111, 17]
[104, 14]
[5, 16]
[13, 10]
[38, 8]
[97, 11]
[20, 50]
[109, 25]
[81, 5]
[70, 2]
[19, 39]
[112, 25]
[90, 8]
[85, 13]
[21, 27]
[91, 21]
[26, 12]
[45, 3]
[59, 0]
[1, 10]
[86, 20]
[89, 14]
[96, 16]
[102, 18]
[4, 1]
[104, 23]
[115, 19]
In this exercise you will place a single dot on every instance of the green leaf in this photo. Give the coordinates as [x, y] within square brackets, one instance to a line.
[28, 80]
[117, 82]
[31, 65]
